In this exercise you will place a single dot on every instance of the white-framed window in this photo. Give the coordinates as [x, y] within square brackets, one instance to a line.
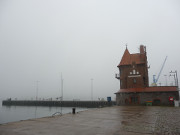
[134, 71]
[134, 80]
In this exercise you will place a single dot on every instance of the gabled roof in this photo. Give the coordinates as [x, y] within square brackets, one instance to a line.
[128, 59]
[149, 89]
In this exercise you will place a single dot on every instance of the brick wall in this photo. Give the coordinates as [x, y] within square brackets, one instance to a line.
[133, 76]
[163, 97]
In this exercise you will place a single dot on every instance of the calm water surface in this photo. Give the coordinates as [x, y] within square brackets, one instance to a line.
[17, 113]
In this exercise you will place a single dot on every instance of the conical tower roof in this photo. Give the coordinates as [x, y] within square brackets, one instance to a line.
[126, 58]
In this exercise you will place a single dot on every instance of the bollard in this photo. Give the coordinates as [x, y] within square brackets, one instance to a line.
[73, 110]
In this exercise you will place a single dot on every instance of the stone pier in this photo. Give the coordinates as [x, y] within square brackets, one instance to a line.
[118, 120]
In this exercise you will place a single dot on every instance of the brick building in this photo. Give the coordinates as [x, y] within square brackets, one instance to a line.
[134, 82]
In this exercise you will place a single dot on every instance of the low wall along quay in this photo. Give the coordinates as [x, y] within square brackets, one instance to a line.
[88, 104]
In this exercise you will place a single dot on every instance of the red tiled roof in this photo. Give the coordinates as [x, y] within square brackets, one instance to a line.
[149, 89]
[128, 58]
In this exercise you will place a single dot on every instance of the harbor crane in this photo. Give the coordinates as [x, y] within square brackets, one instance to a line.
[155, 80]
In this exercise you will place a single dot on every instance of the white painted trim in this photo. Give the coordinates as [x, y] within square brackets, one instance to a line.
[134, 76]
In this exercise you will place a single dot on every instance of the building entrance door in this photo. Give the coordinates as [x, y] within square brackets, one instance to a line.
[134, 100]
[156, 102]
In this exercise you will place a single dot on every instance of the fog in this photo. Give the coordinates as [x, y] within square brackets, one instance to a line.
[82, 40]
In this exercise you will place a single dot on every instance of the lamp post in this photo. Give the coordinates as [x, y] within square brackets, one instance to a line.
[166, 79]
[91, 89]
[37, 88]
[61, 87]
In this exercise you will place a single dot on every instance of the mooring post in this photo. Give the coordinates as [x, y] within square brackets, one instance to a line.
[73, 110]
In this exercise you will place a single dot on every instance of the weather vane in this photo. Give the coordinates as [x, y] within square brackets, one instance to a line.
[126, 45]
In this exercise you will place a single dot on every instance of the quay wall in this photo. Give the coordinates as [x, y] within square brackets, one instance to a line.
[88, 104]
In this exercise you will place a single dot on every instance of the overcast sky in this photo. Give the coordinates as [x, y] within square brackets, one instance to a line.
[82, 39]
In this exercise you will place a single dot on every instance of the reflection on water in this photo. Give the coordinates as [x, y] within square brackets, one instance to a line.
[17, 113]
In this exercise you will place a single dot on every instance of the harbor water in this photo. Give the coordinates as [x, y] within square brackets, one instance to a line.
[17, 113]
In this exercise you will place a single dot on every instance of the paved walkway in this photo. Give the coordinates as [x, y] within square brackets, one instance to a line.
[118, 120]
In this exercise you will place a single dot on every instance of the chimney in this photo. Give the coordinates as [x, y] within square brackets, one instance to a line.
[142, 49]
